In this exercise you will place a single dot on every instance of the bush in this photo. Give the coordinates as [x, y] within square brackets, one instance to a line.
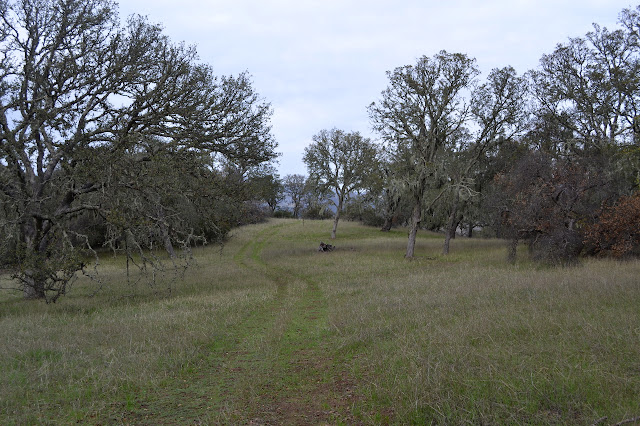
[283, 214]
[317, 211]
[617, 231]
[367, 215]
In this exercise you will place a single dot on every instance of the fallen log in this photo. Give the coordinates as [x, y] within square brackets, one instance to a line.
[326, 247]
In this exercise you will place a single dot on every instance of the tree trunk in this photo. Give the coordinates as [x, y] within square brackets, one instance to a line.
[164, 230]
[451, 225]
[512, 250]
[391, 202]
[447, 241]
[470, 230]
[336, 218]
[31, 288]
[416, 217]
[166, 239]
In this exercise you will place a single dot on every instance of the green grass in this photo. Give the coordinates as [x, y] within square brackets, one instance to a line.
[267, 330]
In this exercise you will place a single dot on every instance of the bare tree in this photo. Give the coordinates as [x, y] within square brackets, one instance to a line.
[82, 97]
[589, 86]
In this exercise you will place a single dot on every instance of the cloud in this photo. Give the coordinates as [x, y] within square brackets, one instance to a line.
[321, 62]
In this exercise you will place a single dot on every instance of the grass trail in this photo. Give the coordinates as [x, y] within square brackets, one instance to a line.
[268, 331]
[276, 370]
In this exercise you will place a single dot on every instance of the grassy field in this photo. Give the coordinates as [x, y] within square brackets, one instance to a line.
[268, 331]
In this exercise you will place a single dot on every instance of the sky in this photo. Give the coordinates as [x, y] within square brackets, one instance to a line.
[321, 63]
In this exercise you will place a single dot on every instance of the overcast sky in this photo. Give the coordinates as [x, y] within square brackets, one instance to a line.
[321, 63]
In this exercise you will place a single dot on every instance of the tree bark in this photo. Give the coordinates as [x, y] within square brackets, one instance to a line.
[447, 242]
[392, 201]
[166, 239]
[336, 218]
[452, 224]
[386, 227]
[512, 250]
[416, 217]
[32, 289]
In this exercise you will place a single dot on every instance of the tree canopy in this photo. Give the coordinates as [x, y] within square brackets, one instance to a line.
[342, 162]
[93, 115]
[112, 135]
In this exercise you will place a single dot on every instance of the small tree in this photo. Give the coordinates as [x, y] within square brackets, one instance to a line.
[294, 187]
[342, 162]
[617, 231]
[267, 186]
[546, 202]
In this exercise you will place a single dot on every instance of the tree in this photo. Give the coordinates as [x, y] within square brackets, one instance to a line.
[394, 193]
[419, 114]
[583, 147]
[84, 103]
[547, 202]
[590, 86]
[294, 187]
[423, 116]
[498, 112]
[617, 230]
[391, 198]
[267, 186]
[342, 162]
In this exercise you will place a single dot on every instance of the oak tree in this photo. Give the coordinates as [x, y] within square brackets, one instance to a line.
[85, 103]
[419, 114]
[294, 188]
[340, 161]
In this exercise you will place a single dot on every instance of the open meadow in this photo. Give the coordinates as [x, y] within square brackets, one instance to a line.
[266, 330]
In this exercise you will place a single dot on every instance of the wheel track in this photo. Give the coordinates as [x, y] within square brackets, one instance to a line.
[229, 369]
[306, 386]
[273, 368]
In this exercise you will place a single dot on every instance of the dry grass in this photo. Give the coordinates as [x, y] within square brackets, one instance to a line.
[268, 330]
